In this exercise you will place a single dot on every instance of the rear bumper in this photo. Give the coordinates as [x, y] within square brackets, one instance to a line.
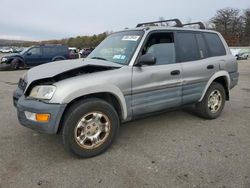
[234, 78]
[55, 110]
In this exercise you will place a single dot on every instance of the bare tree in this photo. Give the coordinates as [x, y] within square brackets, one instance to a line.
[246, 18]
[227, 21]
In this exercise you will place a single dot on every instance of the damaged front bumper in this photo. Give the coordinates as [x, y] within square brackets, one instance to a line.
[25, 106]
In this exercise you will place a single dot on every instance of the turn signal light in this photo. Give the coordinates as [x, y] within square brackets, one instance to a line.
[42, 117]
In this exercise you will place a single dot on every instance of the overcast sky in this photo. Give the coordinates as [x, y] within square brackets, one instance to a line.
[56, 19]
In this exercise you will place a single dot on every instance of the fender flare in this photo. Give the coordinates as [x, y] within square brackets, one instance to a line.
[216, 75]
[58, 57]
[19, 59]
[110, 89]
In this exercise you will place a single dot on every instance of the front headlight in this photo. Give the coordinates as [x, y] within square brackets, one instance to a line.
[4, 59]
[43, 92]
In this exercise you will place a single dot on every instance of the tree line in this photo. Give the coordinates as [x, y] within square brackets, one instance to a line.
[233, 24]
[80, 41]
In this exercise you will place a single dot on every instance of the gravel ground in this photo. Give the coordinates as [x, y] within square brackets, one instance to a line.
[174, 149]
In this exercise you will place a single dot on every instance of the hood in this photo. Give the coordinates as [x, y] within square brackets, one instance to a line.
[50, 70]
[13, 55]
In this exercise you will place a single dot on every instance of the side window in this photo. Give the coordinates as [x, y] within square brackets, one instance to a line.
[35, 51]
[216, 48]
[202, 46]
[187, 49]
[161, 45]
[46, 51]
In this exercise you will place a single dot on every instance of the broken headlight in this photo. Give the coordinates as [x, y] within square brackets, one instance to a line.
[43, 92]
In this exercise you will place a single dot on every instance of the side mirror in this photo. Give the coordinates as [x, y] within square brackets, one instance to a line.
[146, 59]
[29, 53]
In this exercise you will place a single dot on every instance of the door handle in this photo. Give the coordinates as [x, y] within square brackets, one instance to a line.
[175, 72]
[210, 67]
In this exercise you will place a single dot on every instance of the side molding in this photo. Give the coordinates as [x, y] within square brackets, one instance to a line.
[216, 75]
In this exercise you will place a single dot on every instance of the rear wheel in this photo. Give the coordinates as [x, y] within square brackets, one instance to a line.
[213, 102]
[90, 127]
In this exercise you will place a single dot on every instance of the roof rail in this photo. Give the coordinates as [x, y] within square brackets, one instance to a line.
[201, 25]
[177, 21]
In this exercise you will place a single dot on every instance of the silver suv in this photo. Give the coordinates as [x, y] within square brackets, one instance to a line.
[132, 73]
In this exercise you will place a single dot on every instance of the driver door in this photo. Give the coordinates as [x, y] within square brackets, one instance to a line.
[33, 57]
[157, 87]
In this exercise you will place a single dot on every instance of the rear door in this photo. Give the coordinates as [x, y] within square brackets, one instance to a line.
[197, 67]
[47, 54]
[157, 87]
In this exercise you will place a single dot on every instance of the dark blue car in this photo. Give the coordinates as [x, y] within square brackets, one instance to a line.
[35, 55]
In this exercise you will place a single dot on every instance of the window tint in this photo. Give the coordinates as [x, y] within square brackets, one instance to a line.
[202, 46]
[161, 45]
[215, 45]
[35, 51]
[187, 49]
[54, 50]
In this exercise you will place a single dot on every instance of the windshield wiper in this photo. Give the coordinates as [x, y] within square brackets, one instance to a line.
[101, 58]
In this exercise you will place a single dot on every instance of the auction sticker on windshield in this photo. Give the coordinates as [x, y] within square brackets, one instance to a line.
[131, 37]
[122, 57]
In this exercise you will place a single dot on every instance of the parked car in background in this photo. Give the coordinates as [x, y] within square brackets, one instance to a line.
[85, 52]
[35, 55]
[17, 50]
[242, 56]
[6, 50]
[73, 53]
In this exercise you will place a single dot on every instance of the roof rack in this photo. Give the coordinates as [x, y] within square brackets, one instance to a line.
[177, 21]
[201, 25]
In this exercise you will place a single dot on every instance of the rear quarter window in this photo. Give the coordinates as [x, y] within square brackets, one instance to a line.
[215, 45]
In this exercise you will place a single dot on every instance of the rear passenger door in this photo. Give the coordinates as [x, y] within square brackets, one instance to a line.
[197, 64]
[157, 87]
[47, 54]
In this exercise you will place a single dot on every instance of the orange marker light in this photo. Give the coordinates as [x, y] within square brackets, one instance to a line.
[42, 117]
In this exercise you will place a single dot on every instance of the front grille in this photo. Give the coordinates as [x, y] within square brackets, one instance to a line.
[22, 84]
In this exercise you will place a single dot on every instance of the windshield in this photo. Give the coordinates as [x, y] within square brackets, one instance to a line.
[118, 47]
[25, 50]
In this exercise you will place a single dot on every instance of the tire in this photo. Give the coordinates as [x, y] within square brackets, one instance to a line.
[85, 117]
[14, 65]
[207, 108]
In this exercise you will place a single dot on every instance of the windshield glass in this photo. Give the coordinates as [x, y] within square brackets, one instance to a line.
[25, 50]
[118, 47]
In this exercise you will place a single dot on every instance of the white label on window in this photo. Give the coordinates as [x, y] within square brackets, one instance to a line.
[122, 57]
[131, 37]
[117, 57]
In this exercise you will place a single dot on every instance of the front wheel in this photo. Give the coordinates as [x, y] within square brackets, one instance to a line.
[213, 102]
[90, 127]
[14, 64]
